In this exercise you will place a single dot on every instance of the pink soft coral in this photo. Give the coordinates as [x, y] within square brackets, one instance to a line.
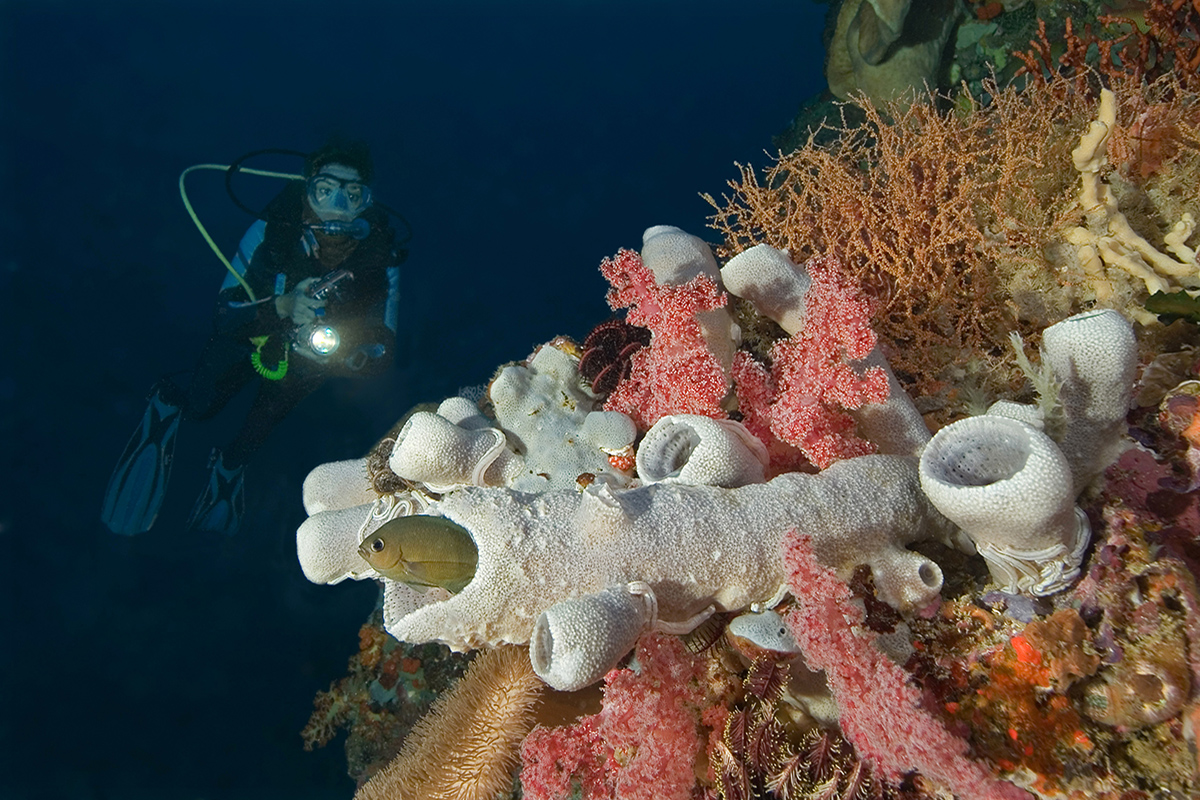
[879, 708]
[643, 744]
[677, 373]
[756, 390]
[812, 376]
[554, 758]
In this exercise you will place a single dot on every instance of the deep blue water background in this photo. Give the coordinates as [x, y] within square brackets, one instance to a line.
[524, 140]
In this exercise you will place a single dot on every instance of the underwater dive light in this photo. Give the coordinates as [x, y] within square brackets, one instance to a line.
[323, 339]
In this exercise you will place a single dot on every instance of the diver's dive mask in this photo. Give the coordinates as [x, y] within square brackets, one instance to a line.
[337, 194]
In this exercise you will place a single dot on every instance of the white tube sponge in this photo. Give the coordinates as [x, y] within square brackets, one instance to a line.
[575, 642]
[433, 450]
[338, 484]
[463, 413]
[609, 430]
[327, 545]
[770, 280]
[1008, 486]
[894, 426]
[1022, 412]
[1094, 355]
[697, 547]
[675, 256]
[327, 542]
[400, 599]
[687, 448]
[327, 548]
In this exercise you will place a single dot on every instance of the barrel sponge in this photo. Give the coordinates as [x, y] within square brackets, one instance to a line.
[1009, 488]
[687, 448]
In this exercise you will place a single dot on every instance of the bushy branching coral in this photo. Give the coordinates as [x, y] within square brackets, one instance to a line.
[963, 222]
[921, 205]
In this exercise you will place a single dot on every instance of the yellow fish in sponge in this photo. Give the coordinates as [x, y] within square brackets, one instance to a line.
[422, 551]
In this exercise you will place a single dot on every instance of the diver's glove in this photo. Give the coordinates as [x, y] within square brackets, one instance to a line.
[297, 303]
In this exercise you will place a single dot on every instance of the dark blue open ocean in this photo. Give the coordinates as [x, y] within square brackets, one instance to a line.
[523, 140]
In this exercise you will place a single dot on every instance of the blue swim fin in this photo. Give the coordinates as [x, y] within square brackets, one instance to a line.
[219, 507]
[139, 482]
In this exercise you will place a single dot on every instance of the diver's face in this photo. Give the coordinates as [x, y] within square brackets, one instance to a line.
[336, 192]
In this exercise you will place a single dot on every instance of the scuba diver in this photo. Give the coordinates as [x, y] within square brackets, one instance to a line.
[311, 294]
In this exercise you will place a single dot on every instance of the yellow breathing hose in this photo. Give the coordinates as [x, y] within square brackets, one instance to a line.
[200, 226]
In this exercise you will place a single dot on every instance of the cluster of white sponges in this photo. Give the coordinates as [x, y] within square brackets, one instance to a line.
[777, 287]
[579, 568]
[695, 549]
[1010, 487]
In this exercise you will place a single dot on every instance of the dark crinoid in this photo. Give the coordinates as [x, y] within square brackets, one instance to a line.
[607, 352]
[383, 480]
[761, 756]
[824, 767]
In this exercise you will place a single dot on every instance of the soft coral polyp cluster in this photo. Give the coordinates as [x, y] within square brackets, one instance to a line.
[812, 380]
[677, 373]
[800, 401]
[643, 745]
[879, 708]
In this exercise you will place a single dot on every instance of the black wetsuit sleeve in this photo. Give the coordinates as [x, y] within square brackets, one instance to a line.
[237, 316]
[367, 314]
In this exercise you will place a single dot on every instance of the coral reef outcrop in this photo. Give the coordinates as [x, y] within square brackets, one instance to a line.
[775, 507]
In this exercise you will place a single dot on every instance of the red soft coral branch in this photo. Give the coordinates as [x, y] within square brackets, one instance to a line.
[812, 375]
[644, 743]
[677, 373]
[756, 390]
[554, 758]
[879, 708]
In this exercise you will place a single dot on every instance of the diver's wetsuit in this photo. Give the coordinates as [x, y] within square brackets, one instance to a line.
[279, 254]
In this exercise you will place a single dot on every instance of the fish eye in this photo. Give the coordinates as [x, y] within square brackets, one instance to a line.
[377, 545]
